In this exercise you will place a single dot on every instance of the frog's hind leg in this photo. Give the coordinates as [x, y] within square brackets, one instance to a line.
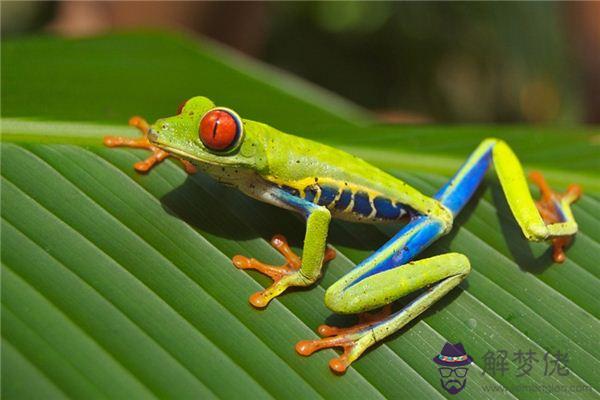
[385, 276]
[389, 273]
[343, 337]
[143, 143]
[549, 219]
[444, 272]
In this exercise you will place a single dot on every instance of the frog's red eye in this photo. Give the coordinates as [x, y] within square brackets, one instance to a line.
[220, 129]
[180, 108]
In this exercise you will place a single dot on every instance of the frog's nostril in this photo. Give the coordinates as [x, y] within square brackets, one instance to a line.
[152, 135]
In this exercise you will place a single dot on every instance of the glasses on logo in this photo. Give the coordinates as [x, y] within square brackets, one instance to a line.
[459, 372]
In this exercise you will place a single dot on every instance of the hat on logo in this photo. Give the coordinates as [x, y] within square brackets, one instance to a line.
[453, 355]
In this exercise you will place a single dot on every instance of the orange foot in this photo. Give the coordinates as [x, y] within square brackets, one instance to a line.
[280, 274]
[548, 206]
[347, 338]
[143, 143]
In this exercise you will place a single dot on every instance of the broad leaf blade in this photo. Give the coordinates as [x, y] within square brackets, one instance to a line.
[116, 283]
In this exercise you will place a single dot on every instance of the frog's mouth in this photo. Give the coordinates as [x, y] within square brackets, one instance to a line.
[154, 139]
[153, 136]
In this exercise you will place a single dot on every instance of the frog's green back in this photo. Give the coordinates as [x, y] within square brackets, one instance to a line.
[307, 166]
[293, 158]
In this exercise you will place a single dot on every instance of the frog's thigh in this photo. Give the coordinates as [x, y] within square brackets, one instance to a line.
[383, 288]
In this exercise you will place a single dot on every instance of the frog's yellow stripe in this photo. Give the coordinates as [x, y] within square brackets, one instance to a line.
[303, 183]
[341, 197]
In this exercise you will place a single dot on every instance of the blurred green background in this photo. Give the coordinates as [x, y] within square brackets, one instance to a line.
[120, 284]
[407, 62]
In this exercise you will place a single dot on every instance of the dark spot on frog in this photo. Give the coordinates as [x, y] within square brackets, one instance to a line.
[362, 204]
[316, 179]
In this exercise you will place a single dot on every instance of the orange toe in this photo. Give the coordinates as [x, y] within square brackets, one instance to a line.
[282, 275]
[280, 243]
[143, 143]
[338, 364]
[241, 262]
[139, 123]
[548, 206]
[258, 300]
[346, 338]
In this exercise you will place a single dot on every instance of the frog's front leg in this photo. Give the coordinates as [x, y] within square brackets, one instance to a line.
[297, 271]
[143, 143]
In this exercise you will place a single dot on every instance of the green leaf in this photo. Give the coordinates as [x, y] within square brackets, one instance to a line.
[117, 284]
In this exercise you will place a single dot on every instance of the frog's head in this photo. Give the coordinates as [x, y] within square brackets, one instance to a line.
[209, 136]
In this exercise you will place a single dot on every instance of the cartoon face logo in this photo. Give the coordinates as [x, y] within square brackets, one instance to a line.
[453, 365]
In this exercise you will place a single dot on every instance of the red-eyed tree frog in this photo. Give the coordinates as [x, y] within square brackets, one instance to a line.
[320, 183]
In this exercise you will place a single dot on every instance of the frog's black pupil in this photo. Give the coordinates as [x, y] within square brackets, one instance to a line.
[215, 128]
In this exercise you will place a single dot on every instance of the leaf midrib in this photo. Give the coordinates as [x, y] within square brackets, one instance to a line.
[15, 130]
